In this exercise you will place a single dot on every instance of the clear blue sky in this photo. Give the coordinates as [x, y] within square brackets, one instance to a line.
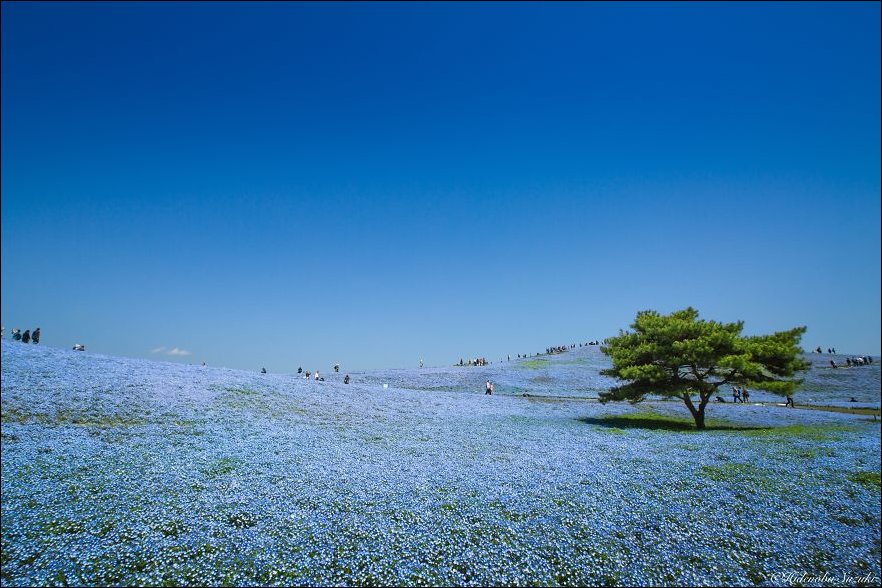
[292, 184]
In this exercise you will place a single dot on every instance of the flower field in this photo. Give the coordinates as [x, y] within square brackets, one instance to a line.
[131, 472]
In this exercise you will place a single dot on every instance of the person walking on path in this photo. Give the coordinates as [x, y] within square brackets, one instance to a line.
[790, 402]
[26, 338]
[36, 336]
[489, 388]
[346, 379]
[745, 394]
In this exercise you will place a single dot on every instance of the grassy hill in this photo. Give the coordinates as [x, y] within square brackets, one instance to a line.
[123, 471]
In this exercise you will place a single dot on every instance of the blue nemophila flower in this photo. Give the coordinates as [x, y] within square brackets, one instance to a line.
[120, 471]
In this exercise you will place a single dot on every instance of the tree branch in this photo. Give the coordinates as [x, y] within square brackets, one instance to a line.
[725, 381]
[689, 404]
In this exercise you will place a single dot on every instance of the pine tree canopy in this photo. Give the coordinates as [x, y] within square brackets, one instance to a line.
[679, 355]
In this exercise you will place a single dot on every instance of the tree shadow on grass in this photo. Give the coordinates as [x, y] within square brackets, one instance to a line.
[658, 422]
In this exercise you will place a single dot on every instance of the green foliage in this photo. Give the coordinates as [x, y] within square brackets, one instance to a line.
[221, 467]
[678, 355]
[740, 473]
[534, 364]
[871, 480]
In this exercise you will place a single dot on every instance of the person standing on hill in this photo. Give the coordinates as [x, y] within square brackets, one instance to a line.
[36, 336]
[489, 388]
[26, 337]
[16, 334]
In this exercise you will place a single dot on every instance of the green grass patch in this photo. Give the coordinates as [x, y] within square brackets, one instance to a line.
[655, 421]
[63, 527]
[243, 391]
[534, 364]
[222, 467]
[744, 473]
[870, 480]
[811, 452]
[172, 528]
[438, 388]
[583, 361]
[241, 520]
[810, 432]
[70, 417]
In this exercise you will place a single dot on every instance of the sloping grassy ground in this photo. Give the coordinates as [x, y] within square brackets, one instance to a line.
[118, 471]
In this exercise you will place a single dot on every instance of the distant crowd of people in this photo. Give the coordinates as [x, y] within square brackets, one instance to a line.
[854, 361]
[740, 394]
[27, 336]
[563, 348]
[33, 337]
[476, 361]
[481, 361]
[317, 375]
[558, 349]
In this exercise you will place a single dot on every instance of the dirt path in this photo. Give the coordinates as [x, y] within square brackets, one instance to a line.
[845, 409]
[842, 409]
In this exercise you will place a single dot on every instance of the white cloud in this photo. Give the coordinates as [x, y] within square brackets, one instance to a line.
[175, 351]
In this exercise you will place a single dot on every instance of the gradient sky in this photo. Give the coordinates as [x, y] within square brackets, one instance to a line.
[288, 185]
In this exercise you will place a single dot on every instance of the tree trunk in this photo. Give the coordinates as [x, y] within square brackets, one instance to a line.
[697, 413]
[699, 417]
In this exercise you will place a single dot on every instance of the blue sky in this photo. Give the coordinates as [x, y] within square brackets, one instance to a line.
[288, 185]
